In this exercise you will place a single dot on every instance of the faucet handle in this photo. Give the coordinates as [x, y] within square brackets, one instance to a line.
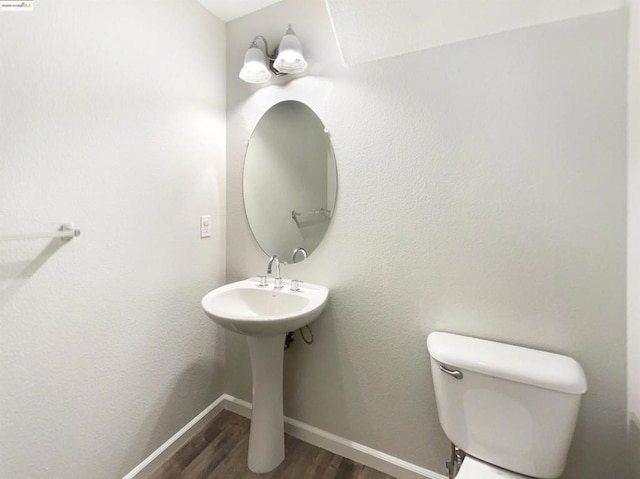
[295, 285]
[263, 281]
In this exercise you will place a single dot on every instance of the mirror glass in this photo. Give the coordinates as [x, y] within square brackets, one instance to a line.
[290, 181]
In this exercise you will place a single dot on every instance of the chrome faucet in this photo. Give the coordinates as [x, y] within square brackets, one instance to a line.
[278, 279]
[299, 250]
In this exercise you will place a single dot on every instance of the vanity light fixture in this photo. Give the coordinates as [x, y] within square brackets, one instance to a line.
[259, 64]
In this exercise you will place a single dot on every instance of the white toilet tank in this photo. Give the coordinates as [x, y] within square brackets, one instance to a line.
[511, 406]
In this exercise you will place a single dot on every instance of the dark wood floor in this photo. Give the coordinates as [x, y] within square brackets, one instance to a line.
[219, 451]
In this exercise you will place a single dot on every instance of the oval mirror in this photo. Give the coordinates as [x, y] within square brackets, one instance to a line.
[289, 181]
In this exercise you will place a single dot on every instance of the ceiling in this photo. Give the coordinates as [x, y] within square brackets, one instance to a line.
[369, 30]
[227, 10]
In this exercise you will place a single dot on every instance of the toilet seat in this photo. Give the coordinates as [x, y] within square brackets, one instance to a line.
[473, 468]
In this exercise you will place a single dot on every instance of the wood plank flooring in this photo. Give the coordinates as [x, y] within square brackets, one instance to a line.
[219, 451]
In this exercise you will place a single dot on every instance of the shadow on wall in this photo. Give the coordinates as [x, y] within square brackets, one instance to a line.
[340, 395]
[14, 274]
[633, 446]
[195, 385]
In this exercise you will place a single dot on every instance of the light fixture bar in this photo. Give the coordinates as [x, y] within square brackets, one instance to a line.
[260, 65]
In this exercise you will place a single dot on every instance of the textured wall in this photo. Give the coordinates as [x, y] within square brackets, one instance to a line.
[482, 191]
[633, 242]
[112, 115]
[375, 29]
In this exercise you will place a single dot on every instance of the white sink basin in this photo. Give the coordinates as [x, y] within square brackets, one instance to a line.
[265, 315]
[246, 308]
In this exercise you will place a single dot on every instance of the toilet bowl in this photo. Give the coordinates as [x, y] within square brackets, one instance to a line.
[511, 409]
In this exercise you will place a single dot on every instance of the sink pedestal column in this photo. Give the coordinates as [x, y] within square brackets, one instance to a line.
[266, 439]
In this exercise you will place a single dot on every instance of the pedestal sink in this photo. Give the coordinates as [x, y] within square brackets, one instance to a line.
[265, 315]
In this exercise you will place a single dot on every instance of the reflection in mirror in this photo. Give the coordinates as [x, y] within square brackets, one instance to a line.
[289, 181]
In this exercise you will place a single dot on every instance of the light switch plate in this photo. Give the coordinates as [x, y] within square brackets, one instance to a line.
[205, 226]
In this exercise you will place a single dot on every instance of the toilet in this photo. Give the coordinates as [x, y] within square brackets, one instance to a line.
[511, 410]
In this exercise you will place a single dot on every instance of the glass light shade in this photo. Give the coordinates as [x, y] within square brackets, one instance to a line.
[290, 58]
[255, 69]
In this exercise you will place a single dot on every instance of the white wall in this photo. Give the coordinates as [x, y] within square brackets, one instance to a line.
[375, 29]
[481, 191]
[112, 115]
[633, 238]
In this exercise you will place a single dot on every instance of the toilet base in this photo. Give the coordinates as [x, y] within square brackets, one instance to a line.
[473, 468]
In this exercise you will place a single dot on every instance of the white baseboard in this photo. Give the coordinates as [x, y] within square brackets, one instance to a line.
[351, 450]
[175, 442]
[343, 447]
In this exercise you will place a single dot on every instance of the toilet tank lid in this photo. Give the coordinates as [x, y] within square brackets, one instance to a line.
[506, 361]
